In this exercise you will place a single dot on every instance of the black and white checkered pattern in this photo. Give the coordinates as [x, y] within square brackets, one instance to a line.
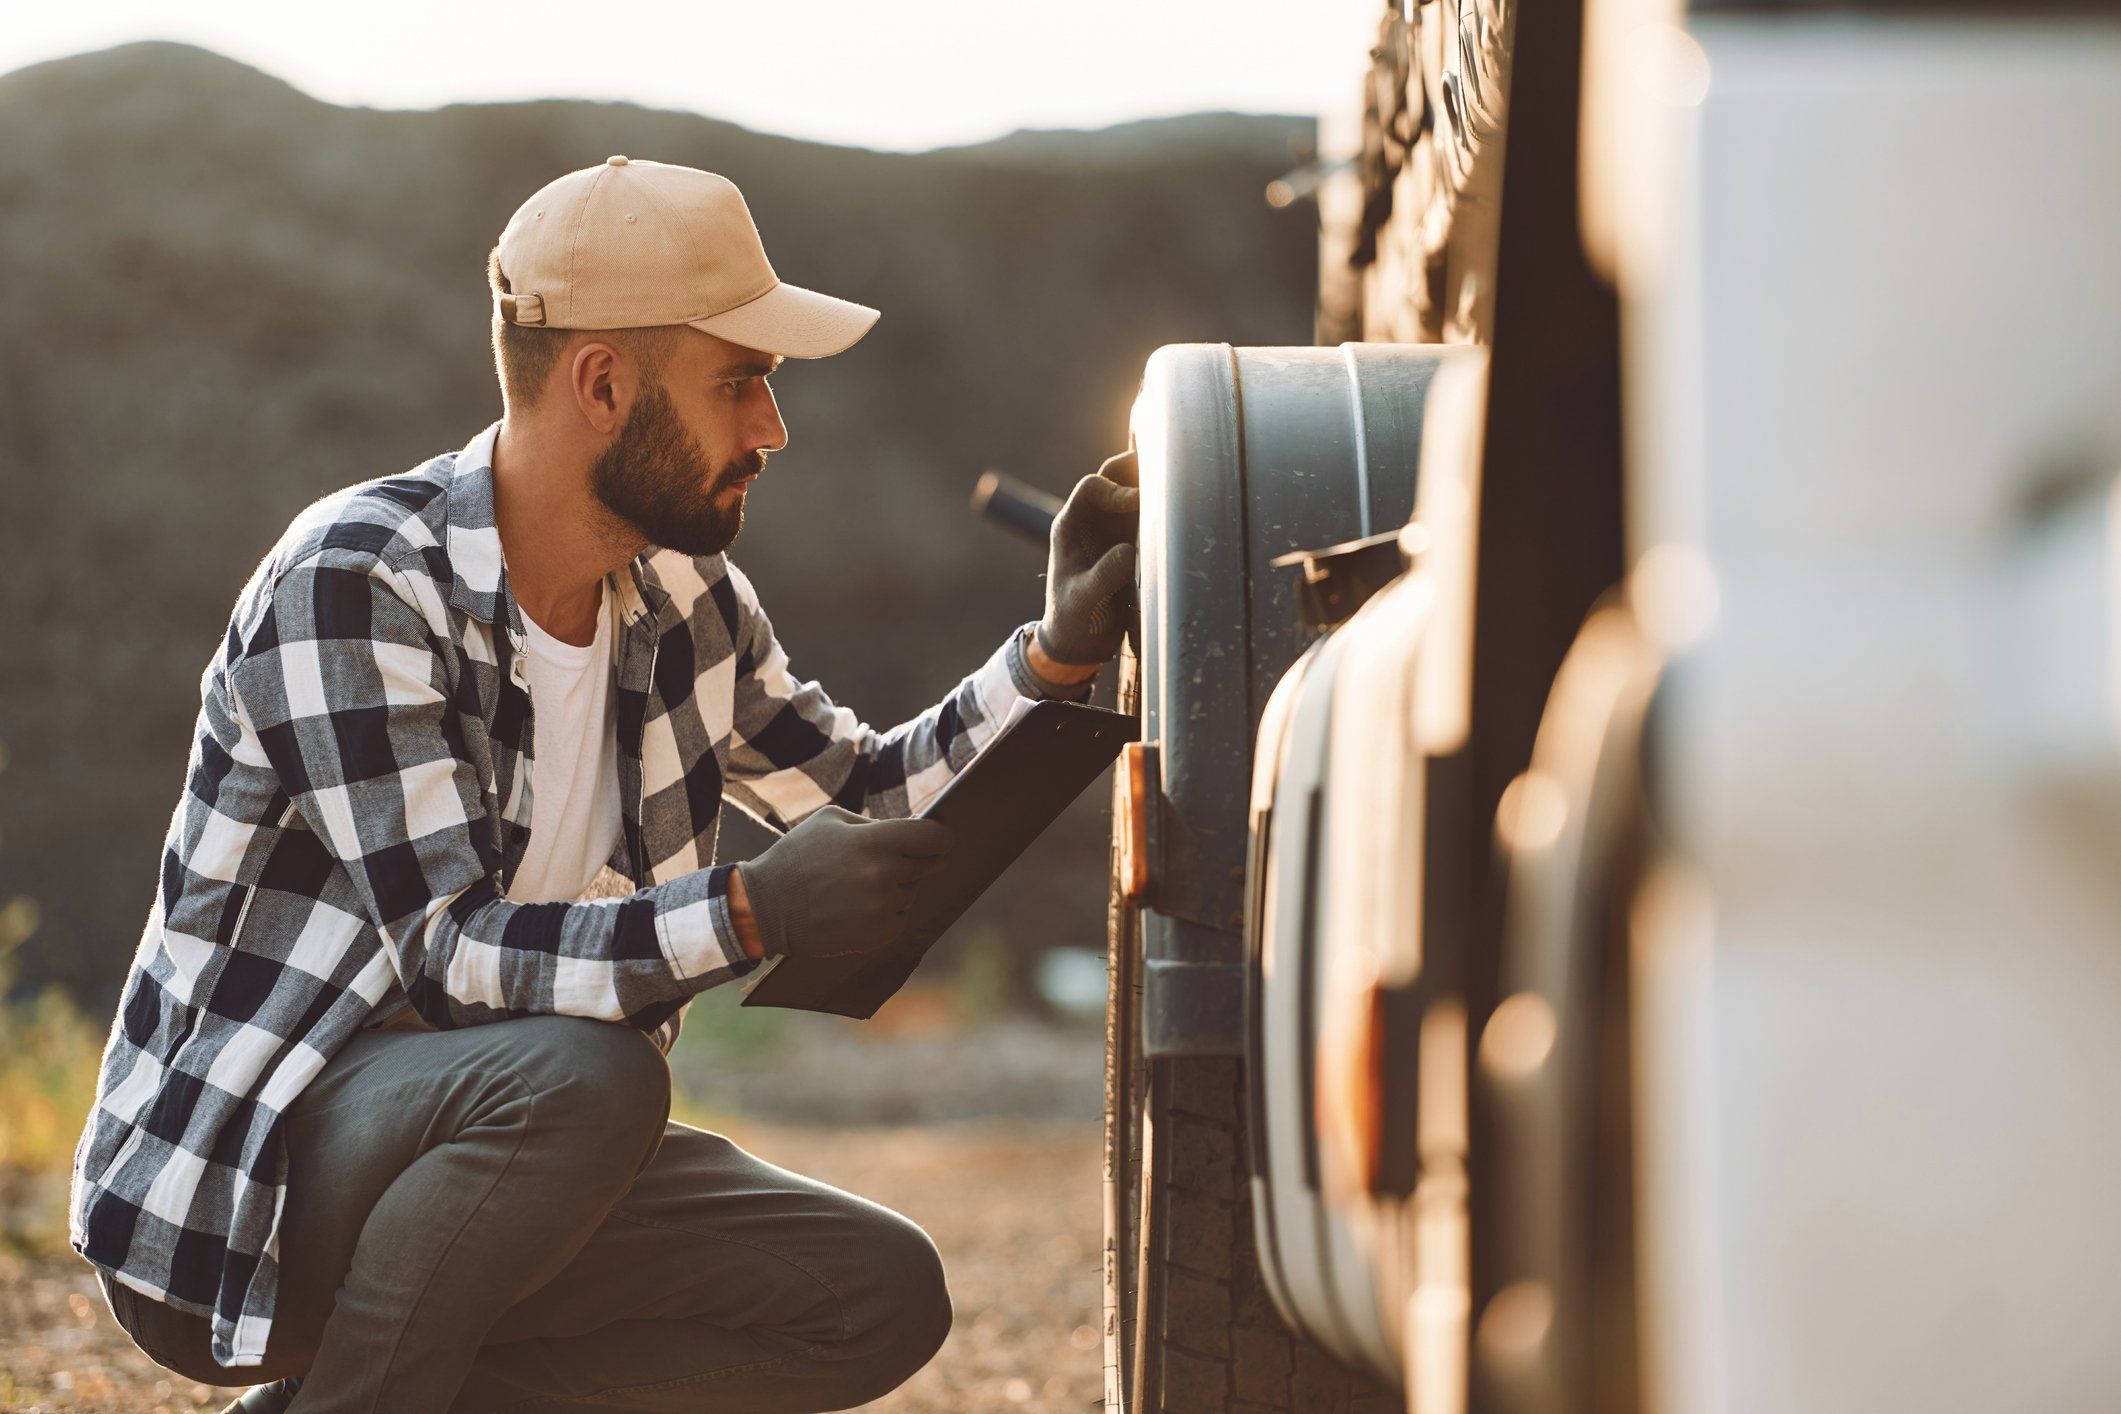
[358, 798]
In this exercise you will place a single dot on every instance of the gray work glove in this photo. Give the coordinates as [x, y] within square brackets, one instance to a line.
[1090, 566]
[840, 883]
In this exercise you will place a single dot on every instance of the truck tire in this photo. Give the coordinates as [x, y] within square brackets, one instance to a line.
[1189, 1326]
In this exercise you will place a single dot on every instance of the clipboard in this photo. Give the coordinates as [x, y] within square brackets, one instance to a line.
[1043, 758]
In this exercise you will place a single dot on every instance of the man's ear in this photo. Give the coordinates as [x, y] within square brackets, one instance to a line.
[594, 383]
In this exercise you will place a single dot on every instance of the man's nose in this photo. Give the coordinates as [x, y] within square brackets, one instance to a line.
[772, 431]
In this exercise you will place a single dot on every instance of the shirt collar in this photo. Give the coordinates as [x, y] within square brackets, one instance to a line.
[479, 575]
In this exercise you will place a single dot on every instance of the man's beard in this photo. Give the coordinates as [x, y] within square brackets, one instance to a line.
[654, 478]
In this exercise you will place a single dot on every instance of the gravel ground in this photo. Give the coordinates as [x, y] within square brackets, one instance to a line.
[1013, 1205]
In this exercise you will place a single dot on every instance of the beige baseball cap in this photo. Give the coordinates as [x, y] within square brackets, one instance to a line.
[631, 243]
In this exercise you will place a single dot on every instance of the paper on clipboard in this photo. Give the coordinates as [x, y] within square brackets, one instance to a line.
[1017, 709]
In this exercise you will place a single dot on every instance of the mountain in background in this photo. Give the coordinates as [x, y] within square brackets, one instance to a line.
[221, 299]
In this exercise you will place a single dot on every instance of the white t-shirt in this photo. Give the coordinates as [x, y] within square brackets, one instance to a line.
[574, 772]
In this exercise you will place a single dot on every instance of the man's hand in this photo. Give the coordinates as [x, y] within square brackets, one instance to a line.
[1090, 566]
[838, 883]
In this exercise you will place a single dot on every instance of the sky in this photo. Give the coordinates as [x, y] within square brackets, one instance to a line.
[908, 74]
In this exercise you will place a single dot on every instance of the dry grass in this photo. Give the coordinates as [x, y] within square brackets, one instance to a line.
[48, 1055]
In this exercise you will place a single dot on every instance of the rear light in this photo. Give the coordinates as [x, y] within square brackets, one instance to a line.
[1350, 1097]
[1134, 818]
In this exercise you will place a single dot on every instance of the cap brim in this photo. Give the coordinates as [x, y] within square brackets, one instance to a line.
[793, 322]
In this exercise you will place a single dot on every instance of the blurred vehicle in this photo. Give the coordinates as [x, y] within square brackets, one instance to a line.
[1614, 923]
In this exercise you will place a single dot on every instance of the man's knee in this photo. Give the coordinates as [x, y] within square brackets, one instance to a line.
[909, 1296]
[925, 1309]
[591, 1076]
[616, 1055]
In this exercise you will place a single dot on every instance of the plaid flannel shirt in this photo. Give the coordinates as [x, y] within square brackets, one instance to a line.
[358, 797]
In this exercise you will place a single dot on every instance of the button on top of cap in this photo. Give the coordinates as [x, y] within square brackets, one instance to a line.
[614, 161]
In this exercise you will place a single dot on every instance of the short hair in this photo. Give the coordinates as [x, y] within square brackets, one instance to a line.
[523, 354]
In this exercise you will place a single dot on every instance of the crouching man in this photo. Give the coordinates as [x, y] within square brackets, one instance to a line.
[384, 1116]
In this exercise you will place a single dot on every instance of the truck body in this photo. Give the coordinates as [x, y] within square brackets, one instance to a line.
[1647, 945]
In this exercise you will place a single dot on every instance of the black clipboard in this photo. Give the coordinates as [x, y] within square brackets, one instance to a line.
[996, 807]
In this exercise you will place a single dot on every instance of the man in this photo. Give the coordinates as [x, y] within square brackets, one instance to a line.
[383, 1117]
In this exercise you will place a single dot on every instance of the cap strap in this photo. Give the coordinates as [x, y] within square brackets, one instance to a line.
[523, 309]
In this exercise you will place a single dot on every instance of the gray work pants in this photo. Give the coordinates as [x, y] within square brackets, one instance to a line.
[503, 1217]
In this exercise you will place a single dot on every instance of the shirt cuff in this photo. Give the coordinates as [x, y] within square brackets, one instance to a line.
[696, 931]
[1030, 684]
